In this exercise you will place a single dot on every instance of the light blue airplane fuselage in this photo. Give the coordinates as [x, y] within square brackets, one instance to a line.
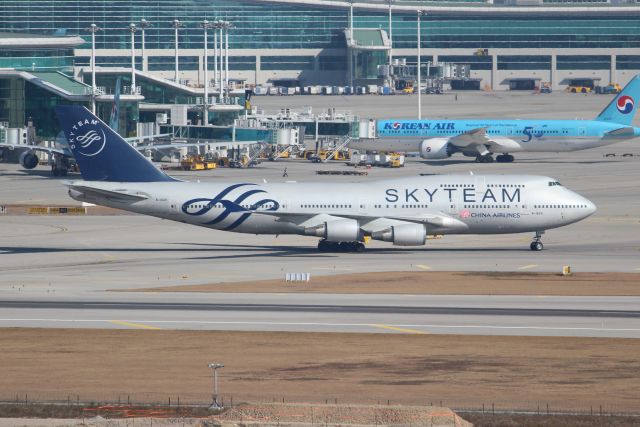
[529, 135]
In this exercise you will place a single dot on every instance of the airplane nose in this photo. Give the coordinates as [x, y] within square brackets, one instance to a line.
[591, 207]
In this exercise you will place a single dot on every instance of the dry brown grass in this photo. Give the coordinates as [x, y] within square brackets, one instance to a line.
[453, 283]
[517, 420]
[459, 371]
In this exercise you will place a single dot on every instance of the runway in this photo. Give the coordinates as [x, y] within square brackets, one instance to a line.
[59, 271]
[411, 314]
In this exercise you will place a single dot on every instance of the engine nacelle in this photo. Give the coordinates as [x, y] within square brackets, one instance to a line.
[403, 235]
[436, 148]
[29, 159]
[340, 230]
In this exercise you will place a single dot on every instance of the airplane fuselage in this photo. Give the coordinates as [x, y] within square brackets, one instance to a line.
[513, 135]
[445, 204]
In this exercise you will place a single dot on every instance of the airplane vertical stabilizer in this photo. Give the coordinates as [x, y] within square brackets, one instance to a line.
[624, 106]
[100, 152]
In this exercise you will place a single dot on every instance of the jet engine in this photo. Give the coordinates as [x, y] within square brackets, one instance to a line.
[436, 148]
[29, 159]
[403, 235]
[340, 230]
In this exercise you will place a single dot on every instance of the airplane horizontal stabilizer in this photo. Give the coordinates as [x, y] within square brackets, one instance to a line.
[115, 195]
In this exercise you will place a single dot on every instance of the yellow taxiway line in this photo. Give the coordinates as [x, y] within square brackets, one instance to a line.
[133, 325]
[405, 330]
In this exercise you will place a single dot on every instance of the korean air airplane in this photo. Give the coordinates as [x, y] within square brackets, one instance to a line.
[343, 215]
[439, 139]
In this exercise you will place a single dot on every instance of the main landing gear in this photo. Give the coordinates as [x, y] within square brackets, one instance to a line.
[537, 245]
[504, 158]
[327, 246]
[501, 158]
[487, 158]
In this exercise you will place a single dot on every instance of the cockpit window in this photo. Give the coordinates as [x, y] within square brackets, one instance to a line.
[553, 183]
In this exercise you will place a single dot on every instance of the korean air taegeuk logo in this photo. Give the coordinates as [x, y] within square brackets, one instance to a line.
[625, 104]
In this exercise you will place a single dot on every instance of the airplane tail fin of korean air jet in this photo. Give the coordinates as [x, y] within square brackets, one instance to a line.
[100, 152]
[623, 107]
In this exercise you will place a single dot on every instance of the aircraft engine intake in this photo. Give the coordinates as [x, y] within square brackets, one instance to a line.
[339, 230]
[403, 235]
[436, 148]
[29, 159]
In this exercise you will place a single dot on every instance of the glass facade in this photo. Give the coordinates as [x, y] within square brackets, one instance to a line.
[524, 62]
[288, 26]
[37, 59]
[584, 62]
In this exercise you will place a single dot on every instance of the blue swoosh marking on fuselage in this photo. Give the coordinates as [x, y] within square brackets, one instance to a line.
[211, 202]
[246, 216]
[232, 207]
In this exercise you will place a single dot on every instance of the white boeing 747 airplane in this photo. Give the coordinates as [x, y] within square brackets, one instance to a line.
[343, 215]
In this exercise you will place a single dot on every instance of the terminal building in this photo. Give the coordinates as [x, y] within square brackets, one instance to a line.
[505, 44]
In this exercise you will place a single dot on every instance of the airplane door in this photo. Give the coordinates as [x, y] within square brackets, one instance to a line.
[362, 206]
[174, 207]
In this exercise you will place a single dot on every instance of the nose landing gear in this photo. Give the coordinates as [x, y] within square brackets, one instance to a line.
[537, 245]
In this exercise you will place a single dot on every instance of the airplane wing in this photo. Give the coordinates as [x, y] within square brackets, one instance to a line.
[48, 150]
[478, 140]
[472, 137]
[370, 222]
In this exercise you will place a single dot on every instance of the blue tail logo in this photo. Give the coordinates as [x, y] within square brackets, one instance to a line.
[90, 143]
[623, 107]
[100, 152]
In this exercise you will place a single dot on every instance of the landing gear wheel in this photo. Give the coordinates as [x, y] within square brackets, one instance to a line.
[504, 158]
[359, 247]
[536, 246]
[323, 246]
[487, 158]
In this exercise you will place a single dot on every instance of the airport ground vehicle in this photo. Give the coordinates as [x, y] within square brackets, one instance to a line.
[579, 89]
[608, 89]
[343, 215]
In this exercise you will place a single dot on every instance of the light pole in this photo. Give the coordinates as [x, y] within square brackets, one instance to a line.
[351, 19]
[144, 24]
[93, 29]
[228, 26]
[176, 24]
[390, 2]
[215, 53]
[419, 77]
[133, 29]
[205, 25]
[220, 26]
[215, 367]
